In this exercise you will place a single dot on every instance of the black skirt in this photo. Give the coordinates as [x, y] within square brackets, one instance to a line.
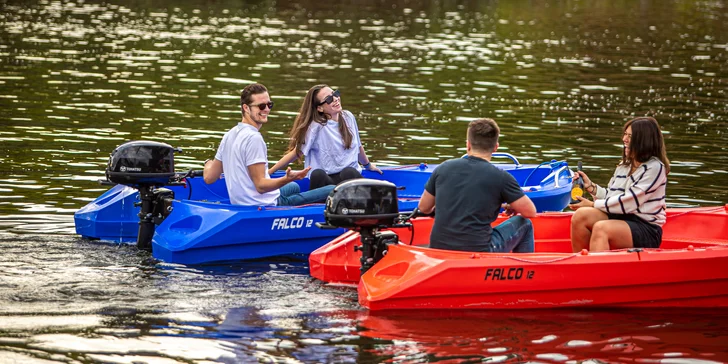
[644, 234]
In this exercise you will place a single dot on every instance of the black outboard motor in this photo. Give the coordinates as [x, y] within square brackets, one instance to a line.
[365, 205]
[146, 166]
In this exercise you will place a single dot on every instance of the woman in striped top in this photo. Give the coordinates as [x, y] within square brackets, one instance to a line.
[630, 212]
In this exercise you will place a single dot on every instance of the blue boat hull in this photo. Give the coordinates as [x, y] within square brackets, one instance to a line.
[204, 227]
[113, 216]
[200, 232]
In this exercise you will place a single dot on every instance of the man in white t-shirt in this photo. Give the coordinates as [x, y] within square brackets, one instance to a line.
[244, 155]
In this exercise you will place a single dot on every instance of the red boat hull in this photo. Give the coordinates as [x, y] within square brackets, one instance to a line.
[688, 270]
[412, 278]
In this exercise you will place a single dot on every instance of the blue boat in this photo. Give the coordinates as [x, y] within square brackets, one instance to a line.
[204, 227]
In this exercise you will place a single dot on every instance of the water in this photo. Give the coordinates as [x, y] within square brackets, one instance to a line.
[560, 77]
[69, 300]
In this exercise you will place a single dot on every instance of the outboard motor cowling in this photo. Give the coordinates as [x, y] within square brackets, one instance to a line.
[145, 166]
[362, 203]
[141, 163]
[365, 205]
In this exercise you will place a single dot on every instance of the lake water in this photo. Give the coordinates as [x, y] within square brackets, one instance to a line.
[560, 77]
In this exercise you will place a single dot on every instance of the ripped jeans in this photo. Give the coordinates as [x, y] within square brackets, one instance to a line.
[514, 234]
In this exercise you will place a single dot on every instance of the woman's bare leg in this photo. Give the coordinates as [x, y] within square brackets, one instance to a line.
[582, 224]
[610, 234]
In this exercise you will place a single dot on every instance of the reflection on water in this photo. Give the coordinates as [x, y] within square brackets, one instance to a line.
[65, 299]
[622, 336]
[79, 78]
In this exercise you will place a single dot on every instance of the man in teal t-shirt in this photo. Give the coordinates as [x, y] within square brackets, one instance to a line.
[469, 192]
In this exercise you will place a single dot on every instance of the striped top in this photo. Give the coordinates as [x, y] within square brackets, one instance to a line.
[642, 193]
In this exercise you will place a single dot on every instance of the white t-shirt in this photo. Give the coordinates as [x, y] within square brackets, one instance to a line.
[324, 146]
[241, 147]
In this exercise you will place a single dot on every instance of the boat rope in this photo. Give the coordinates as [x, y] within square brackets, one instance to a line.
[261, 208]
[186, 182]
[631, 250]
[401, 167]
[524, 260]
[534, 171]
[559, 259]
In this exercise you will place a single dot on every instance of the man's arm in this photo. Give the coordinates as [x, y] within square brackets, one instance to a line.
[263, 185]
[524, 206]
[212, 171]
[427, 203]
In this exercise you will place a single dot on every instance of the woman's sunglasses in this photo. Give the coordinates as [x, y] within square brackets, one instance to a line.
[329, 99]
[264, 106]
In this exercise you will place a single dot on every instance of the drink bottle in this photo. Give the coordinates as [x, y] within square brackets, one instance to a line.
[577, 189]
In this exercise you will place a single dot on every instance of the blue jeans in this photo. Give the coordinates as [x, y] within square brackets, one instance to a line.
[291, 195]
[514, 234]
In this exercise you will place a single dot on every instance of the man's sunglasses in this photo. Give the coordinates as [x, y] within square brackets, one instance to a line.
[264, 105]
[329, 99]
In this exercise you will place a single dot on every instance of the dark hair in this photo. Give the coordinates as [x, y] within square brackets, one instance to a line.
[646, 142]
[483, 134]
[247, 94]
[308, 114]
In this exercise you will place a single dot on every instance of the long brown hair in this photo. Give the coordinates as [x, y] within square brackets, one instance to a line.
[646, 142]
[308, 114]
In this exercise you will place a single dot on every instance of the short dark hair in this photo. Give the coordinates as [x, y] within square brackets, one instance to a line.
[247, 94]
[483, 134]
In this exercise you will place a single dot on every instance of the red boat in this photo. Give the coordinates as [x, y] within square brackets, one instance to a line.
[689, 270]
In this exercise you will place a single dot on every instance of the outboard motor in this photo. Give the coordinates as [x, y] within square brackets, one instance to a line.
[146, 166]
[365, 205]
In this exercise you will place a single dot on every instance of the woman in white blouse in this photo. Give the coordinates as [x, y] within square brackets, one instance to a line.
[328, 137]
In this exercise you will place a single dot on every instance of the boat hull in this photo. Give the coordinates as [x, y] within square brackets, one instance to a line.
[688, 270]
[416, 278]
[114, 216]
[203, 232]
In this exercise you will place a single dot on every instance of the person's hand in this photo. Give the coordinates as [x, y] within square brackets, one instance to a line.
[296, 175]
[374, 168]
[582, 203]
[508, 210]
[584, 177]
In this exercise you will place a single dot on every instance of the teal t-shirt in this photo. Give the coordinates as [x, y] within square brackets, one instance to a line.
[468, 194]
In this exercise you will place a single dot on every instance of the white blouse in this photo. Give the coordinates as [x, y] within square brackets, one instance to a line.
[324, 146]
